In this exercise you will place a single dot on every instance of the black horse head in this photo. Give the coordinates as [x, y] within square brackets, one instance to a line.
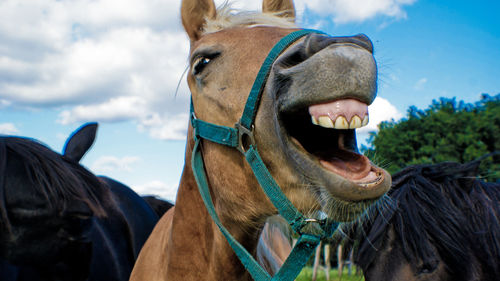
[441, 223]
[60, 222]
[47, 200]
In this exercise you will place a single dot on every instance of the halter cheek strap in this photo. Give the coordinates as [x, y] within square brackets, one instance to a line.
[241, 137]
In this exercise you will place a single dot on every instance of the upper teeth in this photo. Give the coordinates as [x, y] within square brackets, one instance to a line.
[340, 122]
[340, 114]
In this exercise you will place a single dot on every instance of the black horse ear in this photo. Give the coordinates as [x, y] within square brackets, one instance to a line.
[80, 142]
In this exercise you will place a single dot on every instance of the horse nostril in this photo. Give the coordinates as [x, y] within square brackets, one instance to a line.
[314, 43]
[364, 41]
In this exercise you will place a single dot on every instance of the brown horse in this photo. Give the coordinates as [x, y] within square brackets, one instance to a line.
[316, 94]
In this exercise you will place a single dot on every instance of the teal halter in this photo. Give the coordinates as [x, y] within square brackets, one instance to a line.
[241, 137]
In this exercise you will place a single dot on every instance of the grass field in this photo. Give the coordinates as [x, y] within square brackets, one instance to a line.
[306, 275]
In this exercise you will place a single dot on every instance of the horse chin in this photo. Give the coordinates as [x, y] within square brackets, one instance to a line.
[328, 159]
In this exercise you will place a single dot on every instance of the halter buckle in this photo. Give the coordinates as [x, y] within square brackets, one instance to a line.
[245, 138]
[314, 227]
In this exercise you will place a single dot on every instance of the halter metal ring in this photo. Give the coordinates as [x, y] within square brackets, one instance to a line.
[245, 137]
[316, 224]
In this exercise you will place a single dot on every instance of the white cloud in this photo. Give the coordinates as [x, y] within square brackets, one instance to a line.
[419, 85]
[242, 4]
[115, 109]
[117, 60]
[8, 129]
[106, 164]
[125, 61]
[157, 188]
[380, 110]
[345, 11]
[161, 127]
[4, 103]
[340, 11]
[158, 125]
[103, 60]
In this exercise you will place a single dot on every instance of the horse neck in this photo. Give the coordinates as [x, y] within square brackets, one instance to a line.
[198, 250]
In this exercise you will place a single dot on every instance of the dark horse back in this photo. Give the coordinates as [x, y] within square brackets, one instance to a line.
[121, 234]
[160, 206]
[137, 214]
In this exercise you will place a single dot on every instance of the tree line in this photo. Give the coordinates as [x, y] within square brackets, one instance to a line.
[446, 131]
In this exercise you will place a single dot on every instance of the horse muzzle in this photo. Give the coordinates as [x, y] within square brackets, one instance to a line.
[323, 86]
[323, 69]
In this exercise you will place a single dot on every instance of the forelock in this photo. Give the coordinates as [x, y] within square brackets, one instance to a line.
[227, 17]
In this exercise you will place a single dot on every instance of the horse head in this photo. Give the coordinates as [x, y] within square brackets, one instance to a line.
[47, 200]
[315, 97]
[440, 223]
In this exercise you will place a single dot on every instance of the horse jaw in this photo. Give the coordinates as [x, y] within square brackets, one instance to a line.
[304, 86]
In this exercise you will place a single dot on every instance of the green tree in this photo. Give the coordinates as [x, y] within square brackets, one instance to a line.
[446, 131]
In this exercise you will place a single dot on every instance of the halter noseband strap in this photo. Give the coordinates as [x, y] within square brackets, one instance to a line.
[241, 137]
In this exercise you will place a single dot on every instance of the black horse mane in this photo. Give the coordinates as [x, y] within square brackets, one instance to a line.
[61, 181]
[443, 206]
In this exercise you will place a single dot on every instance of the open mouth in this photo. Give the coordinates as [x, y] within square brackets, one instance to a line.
[326, 133]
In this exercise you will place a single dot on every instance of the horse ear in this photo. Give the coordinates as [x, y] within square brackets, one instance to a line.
[80, 142]
[284, 8]
[194, 14]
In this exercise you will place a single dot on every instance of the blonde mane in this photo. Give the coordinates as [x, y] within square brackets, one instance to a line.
[228, 17]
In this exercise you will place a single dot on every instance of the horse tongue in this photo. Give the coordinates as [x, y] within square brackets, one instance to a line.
[350, 165]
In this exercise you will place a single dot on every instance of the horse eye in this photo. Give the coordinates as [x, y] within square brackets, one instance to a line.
[199, 64]
[427, 268]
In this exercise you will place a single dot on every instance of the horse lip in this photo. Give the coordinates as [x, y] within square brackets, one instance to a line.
[375, 182]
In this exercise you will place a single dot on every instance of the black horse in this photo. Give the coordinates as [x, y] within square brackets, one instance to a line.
[61, 222]
[439, 223]
[159, 205]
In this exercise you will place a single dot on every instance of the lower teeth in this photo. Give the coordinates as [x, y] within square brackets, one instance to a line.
[369, 184]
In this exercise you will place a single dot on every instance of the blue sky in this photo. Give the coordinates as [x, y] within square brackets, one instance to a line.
[63, 63]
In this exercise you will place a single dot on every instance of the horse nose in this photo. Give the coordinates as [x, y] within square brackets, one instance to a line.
[322, 68]
[315, 42]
